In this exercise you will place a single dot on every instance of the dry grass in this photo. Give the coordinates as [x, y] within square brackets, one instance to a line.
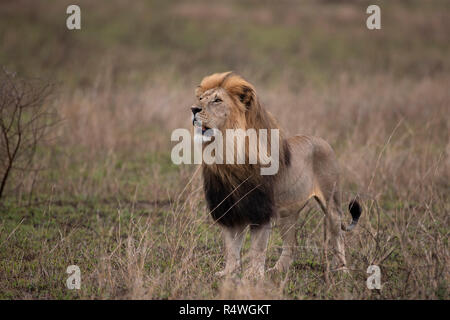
[393, 147]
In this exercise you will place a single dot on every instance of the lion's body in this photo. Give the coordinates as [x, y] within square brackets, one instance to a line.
[239, 196]
[306, 177]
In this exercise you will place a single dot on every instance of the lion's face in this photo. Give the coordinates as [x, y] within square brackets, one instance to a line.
[215, 109]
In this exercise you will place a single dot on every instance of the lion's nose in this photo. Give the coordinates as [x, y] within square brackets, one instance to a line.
[196, 110]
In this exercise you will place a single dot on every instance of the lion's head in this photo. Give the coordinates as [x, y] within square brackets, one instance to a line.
[227, 101]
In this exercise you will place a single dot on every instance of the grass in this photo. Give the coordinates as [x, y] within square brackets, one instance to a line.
[111, 201]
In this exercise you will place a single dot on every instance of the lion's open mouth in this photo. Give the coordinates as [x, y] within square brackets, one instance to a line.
[204, 129]
[198, 124]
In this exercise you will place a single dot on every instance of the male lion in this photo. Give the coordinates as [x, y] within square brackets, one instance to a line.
[239, 196]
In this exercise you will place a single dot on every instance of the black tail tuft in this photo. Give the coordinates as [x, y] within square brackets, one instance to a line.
[355, 210]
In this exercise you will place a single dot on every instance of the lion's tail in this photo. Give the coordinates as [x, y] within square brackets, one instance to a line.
[355, 210]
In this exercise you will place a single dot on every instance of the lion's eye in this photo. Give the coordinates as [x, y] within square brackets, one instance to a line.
[217, 100]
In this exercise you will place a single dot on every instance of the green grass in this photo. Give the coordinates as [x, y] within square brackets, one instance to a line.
[40, 241]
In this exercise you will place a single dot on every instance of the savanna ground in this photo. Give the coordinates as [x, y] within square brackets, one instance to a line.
[109, 199]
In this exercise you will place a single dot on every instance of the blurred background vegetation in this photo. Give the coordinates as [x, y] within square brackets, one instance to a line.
[300, 41]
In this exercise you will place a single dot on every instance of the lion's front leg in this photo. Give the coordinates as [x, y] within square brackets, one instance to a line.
[234, 238]
[288, 233]
[258, 249]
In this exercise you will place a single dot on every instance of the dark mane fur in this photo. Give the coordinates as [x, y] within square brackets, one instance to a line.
[245, 203]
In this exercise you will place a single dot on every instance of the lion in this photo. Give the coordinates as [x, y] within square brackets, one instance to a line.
[239, 196]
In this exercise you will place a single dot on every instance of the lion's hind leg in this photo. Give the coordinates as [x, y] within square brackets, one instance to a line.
[332, 229]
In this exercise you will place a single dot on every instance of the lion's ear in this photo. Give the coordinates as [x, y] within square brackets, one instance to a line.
[247, 96]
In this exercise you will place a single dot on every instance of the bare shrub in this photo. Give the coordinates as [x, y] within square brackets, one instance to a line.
[25, 118]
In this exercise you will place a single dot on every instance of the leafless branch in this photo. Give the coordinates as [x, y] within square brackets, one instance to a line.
[25, 119]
